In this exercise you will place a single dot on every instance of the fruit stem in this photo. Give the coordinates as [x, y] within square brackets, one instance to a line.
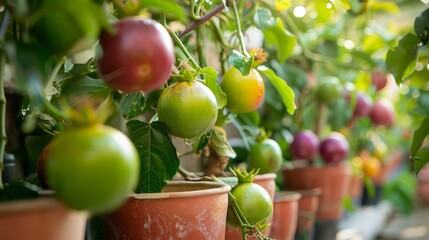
[48, 106]
[240, 131]
[200, 51]
[244, 224]
[180, 44]
[202, 20]
[323, 115]
[239, 31]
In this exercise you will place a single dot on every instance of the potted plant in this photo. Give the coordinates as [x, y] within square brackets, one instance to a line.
[141, 68]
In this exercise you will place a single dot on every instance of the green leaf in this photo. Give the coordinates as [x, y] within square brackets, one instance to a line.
[85, 86]
[158, 156]
[202, 141]
[32, 65]
[419, 137]
[231, 181]
[348, 204]
[369, 186]
[421, 26]
[421, 159]
[401, 61]
[19, 190]
[401, 192]
[286, 92]
[282, 39]
[389, 7]
[220, 143]
[241, 62]
[263, 18]
[170, 7]
[131, 105]
[211, 82]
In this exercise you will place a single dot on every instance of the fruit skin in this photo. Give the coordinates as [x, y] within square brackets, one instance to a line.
[266, 155]
[379, 80]
[363, 105]
[254, 202]
[92, 168]
[139, 56]
[382, 113]
[41, 167]
[305, 145]
[244, 93]
[328, 90]
[334, 148]
[67, 27]
[371, 167]
[188, 108]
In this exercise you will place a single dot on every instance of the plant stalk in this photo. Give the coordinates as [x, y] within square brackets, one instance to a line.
[48, 107]
[239, 31]
[202, 20]
[182, 47]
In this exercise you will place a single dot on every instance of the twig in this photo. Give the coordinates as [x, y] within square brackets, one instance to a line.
[202, 20]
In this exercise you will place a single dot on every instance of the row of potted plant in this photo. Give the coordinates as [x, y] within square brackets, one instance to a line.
[101, 131]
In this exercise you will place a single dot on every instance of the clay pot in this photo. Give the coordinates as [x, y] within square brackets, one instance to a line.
[355, 187]
[44, 218]
[184, 210]
[267, 181]
[393, 160]
[423, 185]
[333, 180]
[308, 206]
[285, 216]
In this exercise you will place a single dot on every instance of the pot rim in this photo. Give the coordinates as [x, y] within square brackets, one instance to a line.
[41, 202]
[343, 165]
[213, 188]
[287, 196]
[309, 192]
[266, 176]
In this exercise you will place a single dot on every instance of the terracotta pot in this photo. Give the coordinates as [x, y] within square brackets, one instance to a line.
[44, 218]
[285, 216]
[355, 186]
[393, 160]
[308, 206]
[267, 181]
[333, 180]
[423, 185]
[184, 210]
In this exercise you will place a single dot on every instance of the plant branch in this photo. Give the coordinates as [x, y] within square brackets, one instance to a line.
[202, 20]
[321, 121]
[239, 31]
[48, 106]
[177, 40]
[186, 174]
[200, 51]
